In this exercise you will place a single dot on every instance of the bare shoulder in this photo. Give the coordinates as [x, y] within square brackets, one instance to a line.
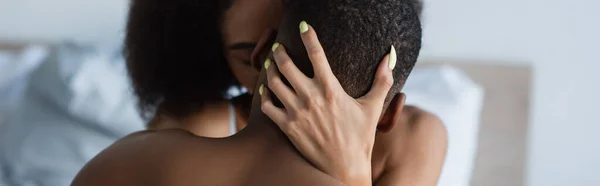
[426, 133]
[285, 166]
[423, 123]
[414, 149]
[176, 157]
[427, 136]
[135, 159]
[414, 125]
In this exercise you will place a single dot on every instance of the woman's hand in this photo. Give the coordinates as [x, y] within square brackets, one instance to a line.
[330, 128]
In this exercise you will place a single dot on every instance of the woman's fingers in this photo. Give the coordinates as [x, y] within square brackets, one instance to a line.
[287, 67]
[384, 79]
[278, 115]
[315, 52]
[286, 95]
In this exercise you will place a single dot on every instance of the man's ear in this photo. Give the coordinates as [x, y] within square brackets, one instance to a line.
[392, 114]
[262, 49]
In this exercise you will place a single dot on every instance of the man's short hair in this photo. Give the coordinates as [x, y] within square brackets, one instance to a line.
[356, 35]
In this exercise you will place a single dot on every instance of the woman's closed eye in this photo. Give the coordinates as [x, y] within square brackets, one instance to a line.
[242, 51]
[242, 46]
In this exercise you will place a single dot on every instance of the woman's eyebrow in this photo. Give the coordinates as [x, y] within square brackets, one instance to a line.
[242, 46]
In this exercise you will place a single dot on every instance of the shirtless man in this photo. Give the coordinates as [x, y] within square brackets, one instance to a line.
[262, 154]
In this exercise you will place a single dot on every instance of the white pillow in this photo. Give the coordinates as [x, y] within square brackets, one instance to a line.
[451, 95]
[15, 67]
[77, 103]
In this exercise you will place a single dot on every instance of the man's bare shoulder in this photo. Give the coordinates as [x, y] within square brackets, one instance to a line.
[415, 123]
[290, 170]
[413, 152]
[420, 121]
[133, 159]
[174, 157]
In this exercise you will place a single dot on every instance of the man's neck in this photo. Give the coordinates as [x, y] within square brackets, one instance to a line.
[262, 130]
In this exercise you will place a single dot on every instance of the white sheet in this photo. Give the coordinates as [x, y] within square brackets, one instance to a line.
[448, 93]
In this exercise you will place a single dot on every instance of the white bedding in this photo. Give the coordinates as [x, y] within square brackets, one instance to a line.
[75, 106]
[448, 93]
[15, 66]
[76, 103]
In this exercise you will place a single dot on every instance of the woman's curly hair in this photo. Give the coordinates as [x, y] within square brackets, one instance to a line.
[174, 54]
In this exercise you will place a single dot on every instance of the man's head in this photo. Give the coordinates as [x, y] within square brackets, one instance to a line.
[356, 35]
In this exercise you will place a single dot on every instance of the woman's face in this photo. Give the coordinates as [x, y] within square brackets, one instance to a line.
[243, 25]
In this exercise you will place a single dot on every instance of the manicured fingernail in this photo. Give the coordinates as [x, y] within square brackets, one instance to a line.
[275, 46]
[303, 27]
[392, 58]
[267, 63]
[261, 90]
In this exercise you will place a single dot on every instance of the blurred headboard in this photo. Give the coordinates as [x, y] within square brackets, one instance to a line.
[11, 46]
[504, 123]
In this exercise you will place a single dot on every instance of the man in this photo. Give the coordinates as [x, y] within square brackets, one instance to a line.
[261, 154]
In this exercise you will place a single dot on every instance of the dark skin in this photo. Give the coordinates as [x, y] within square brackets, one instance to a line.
[412, 152]
[242, 27]
[177, 157]
[167, 157]
[410, 145]
[257, 155]
[261, 154]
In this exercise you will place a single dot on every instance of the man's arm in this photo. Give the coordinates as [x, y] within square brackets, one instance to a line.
[415, 151]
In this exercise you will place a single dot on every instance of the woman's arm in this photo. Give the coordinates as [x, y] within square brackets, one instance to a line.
[337, 132]
[333, 130]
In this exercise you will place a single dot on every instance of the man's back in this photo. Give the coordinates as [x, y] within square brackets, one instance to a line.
[176, 157]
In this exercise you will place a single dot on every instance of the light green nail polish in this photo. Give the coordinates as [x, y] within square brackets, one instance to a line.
[303, 27]
[275, 46]
[392, 59]
[267, 63]
[261, 89]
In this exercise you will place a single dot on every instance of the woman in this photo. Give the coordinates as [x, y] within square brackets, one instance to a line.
[183, 56]
[167, 39]
[182, 86]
